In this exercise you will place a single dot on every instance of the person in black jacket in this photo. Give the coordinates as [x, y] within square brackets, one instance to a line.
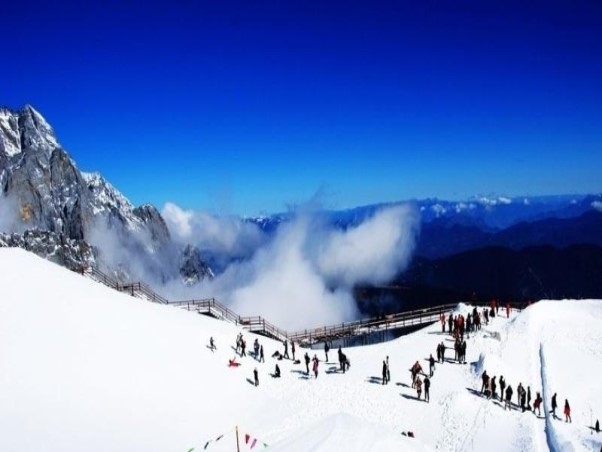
[509, 392]
[431, 365]
[306, 363]
[554, 405]
[502, 387]
[384, 372]
[427, 386]
[485, 379]
[493, 387]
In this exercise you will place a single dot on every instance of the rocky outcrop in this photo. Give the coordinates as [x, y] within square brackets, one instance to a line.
[74, 254]
[193, 268]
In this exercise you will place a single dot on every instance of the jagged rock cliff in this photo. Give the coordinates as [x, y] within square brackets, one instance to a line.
[42, 190]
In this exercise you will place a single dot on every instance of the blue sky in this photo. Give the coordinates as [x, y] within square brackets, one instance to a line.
[247, 107]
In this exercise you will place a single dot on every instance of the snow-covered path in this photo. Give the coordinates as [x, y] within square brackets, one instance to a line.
[83, 367]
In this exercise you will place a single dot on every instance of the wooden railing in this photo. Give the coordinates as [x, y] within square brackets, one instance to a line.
[101, 277]
[139, 288]
[258, 324]
[209, 306]
[366, 326]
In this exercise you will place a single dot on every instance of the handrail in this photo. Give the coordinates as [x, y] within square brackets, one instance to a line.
[259, 324]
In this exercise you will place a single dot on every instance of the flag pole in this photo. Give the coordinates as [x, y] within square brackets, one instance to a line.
[237, 445]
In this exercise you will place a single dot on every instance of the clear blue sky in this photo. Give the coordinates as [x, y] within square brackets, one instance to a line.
[245, 107]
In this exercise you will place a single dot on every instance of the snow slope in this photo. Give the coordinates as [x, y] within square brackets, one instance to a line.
[83, 367]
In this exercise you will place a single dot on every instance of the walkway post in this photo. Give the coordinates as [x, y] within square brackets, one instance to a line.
[237, 445]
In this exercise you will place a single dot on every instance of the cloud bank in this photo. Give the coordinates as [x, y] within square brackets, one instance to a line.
[226, 237]
[303, 276]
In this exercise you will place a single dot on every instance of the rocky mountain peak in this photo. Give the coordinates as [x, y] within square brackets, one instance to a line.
[41, 189]
[25, 130]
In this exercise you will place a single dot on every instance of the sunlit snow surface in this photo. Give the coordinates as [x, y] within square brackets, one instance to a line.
[84, 368]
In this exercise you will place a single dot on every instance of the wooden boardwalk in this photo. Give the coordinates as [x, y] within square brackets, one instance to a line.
[307, 337]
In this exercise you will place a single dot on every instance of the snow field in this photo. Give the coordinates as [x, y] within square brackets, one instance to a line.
[83, 367]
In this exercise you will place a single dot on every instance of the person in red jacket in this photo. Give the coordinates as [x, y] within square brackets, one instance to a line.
[567, 411]
[315, 366]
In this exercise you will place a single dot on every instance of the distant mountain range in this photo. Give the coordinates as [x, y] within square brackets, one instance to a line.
[546, 246]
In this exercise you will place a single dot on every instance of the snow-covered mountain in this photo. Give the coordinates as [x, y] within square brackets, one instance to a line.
[42, 189]
[84, 367]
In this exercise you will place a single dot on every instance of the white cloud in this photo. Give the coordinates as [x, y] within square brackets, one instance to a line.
[374, 251]
[219, 235]
[178, 220]
[304, 276]
[597, 205]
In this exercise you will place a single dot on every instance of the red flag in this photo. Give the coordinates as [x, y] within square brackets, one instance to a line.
[253, 443]
[247, 438]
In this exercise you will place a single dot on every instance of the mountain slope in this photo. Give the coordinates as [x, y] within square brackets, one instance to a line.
[87, 368]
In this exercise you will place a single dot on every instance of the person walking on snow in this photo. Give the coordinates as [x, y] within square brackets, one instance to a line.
[326, 350]
[243, 347]
[427, 386]
[485, 379]
[442, 319]
[567, 411]
[384, 372]
[418, 387]
[388, 370]
[238, 342]
[285, 342]
[307, 363]
[502, 387]
[256, 376]
[261, 357]
[416, 369]
[554, 405]
[537, 404]
[293, 349]
[212, 346]
[509, 392]
[438, 353]
[523, 398]
[315, 366]
[529, 398]
[493, 389]
[431, 365]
